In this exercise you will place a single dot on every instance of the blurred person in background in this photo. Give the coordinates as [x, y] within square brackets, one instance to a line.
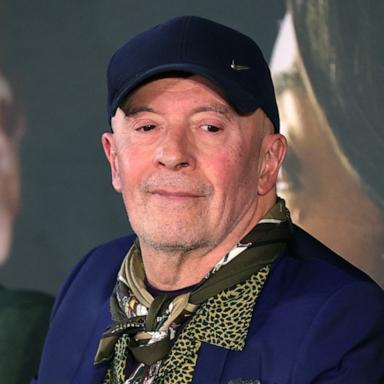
[24, 314]
[10, 134]
[327, 67]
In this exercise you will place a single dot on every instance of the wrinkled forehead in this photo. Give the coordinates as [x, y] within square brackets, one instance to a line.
[188, 95]
[208, 98]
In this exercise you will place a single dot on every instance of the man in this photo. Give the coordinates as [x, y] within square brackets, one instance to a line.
[11, 128]
[24, 315]
[219, 286]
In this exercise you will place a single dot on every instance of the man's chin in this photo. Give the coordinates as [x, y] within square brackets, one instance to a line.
[172, 245]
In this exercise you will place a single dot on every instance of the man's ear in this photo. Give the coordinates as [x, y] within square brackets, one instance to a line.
[274, 149]
[108, 142]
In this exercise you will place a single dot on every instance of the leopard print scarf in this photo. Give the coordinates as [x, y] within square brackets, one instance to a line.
[145, 326]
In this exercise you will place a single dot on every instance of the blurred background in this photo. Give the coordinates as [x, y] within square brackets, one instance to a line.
[57, 201]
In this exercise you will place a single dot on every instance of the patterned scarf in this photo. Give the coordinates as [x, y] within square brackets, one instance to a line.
[145, 328]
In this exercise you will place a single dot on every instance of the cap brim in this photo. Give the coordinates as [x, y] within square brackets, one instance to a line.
[243, 101]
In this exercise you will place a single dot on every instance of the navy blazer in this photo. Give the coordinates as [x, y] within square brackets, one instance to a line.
[317, 320]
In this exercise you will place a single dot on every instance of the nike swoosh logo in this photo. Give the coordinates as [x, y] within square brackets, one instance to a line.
[238, 67]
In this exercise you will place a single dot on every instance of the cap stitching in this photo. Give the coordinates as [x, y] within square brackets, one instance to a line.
[183, 39]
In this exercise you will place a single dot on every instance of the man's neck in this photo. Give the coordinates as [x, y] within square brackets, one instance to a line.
[171, 270]
[175, 270]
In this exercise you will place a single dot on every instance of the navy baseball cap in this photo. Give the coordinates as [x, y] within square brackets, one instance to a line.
[230, 60]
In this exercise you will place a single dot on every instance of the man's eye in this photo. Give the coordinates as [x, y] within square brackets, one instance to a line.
[146, 128]
[210, 128]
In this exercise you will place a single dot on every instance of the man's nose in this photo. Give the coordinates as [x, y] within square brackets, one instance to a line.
[175, 151]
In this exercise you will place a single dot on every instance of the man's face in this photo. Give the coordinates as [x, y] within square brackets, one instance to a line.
[187, 164]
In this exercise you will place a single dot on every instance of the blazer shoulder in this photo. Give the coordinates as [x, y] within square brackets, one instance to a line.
[311, 273]
[314, 256]
[103, 260]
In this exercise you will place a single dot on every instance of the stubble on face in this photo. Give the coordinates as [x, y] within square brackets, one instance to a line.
[161, 223]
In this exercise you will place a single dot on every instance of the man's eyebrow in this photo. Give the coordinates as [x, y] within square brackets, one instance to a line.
[221, 109]
[227, 112]
[130, 110]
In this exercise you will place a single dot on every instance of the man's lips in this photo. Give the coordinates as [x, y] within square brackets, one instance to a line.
[174, 186]
[171, 194]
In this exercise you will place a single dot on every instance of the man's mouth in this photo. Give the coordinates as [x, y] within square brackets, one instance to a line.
[175, 194]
